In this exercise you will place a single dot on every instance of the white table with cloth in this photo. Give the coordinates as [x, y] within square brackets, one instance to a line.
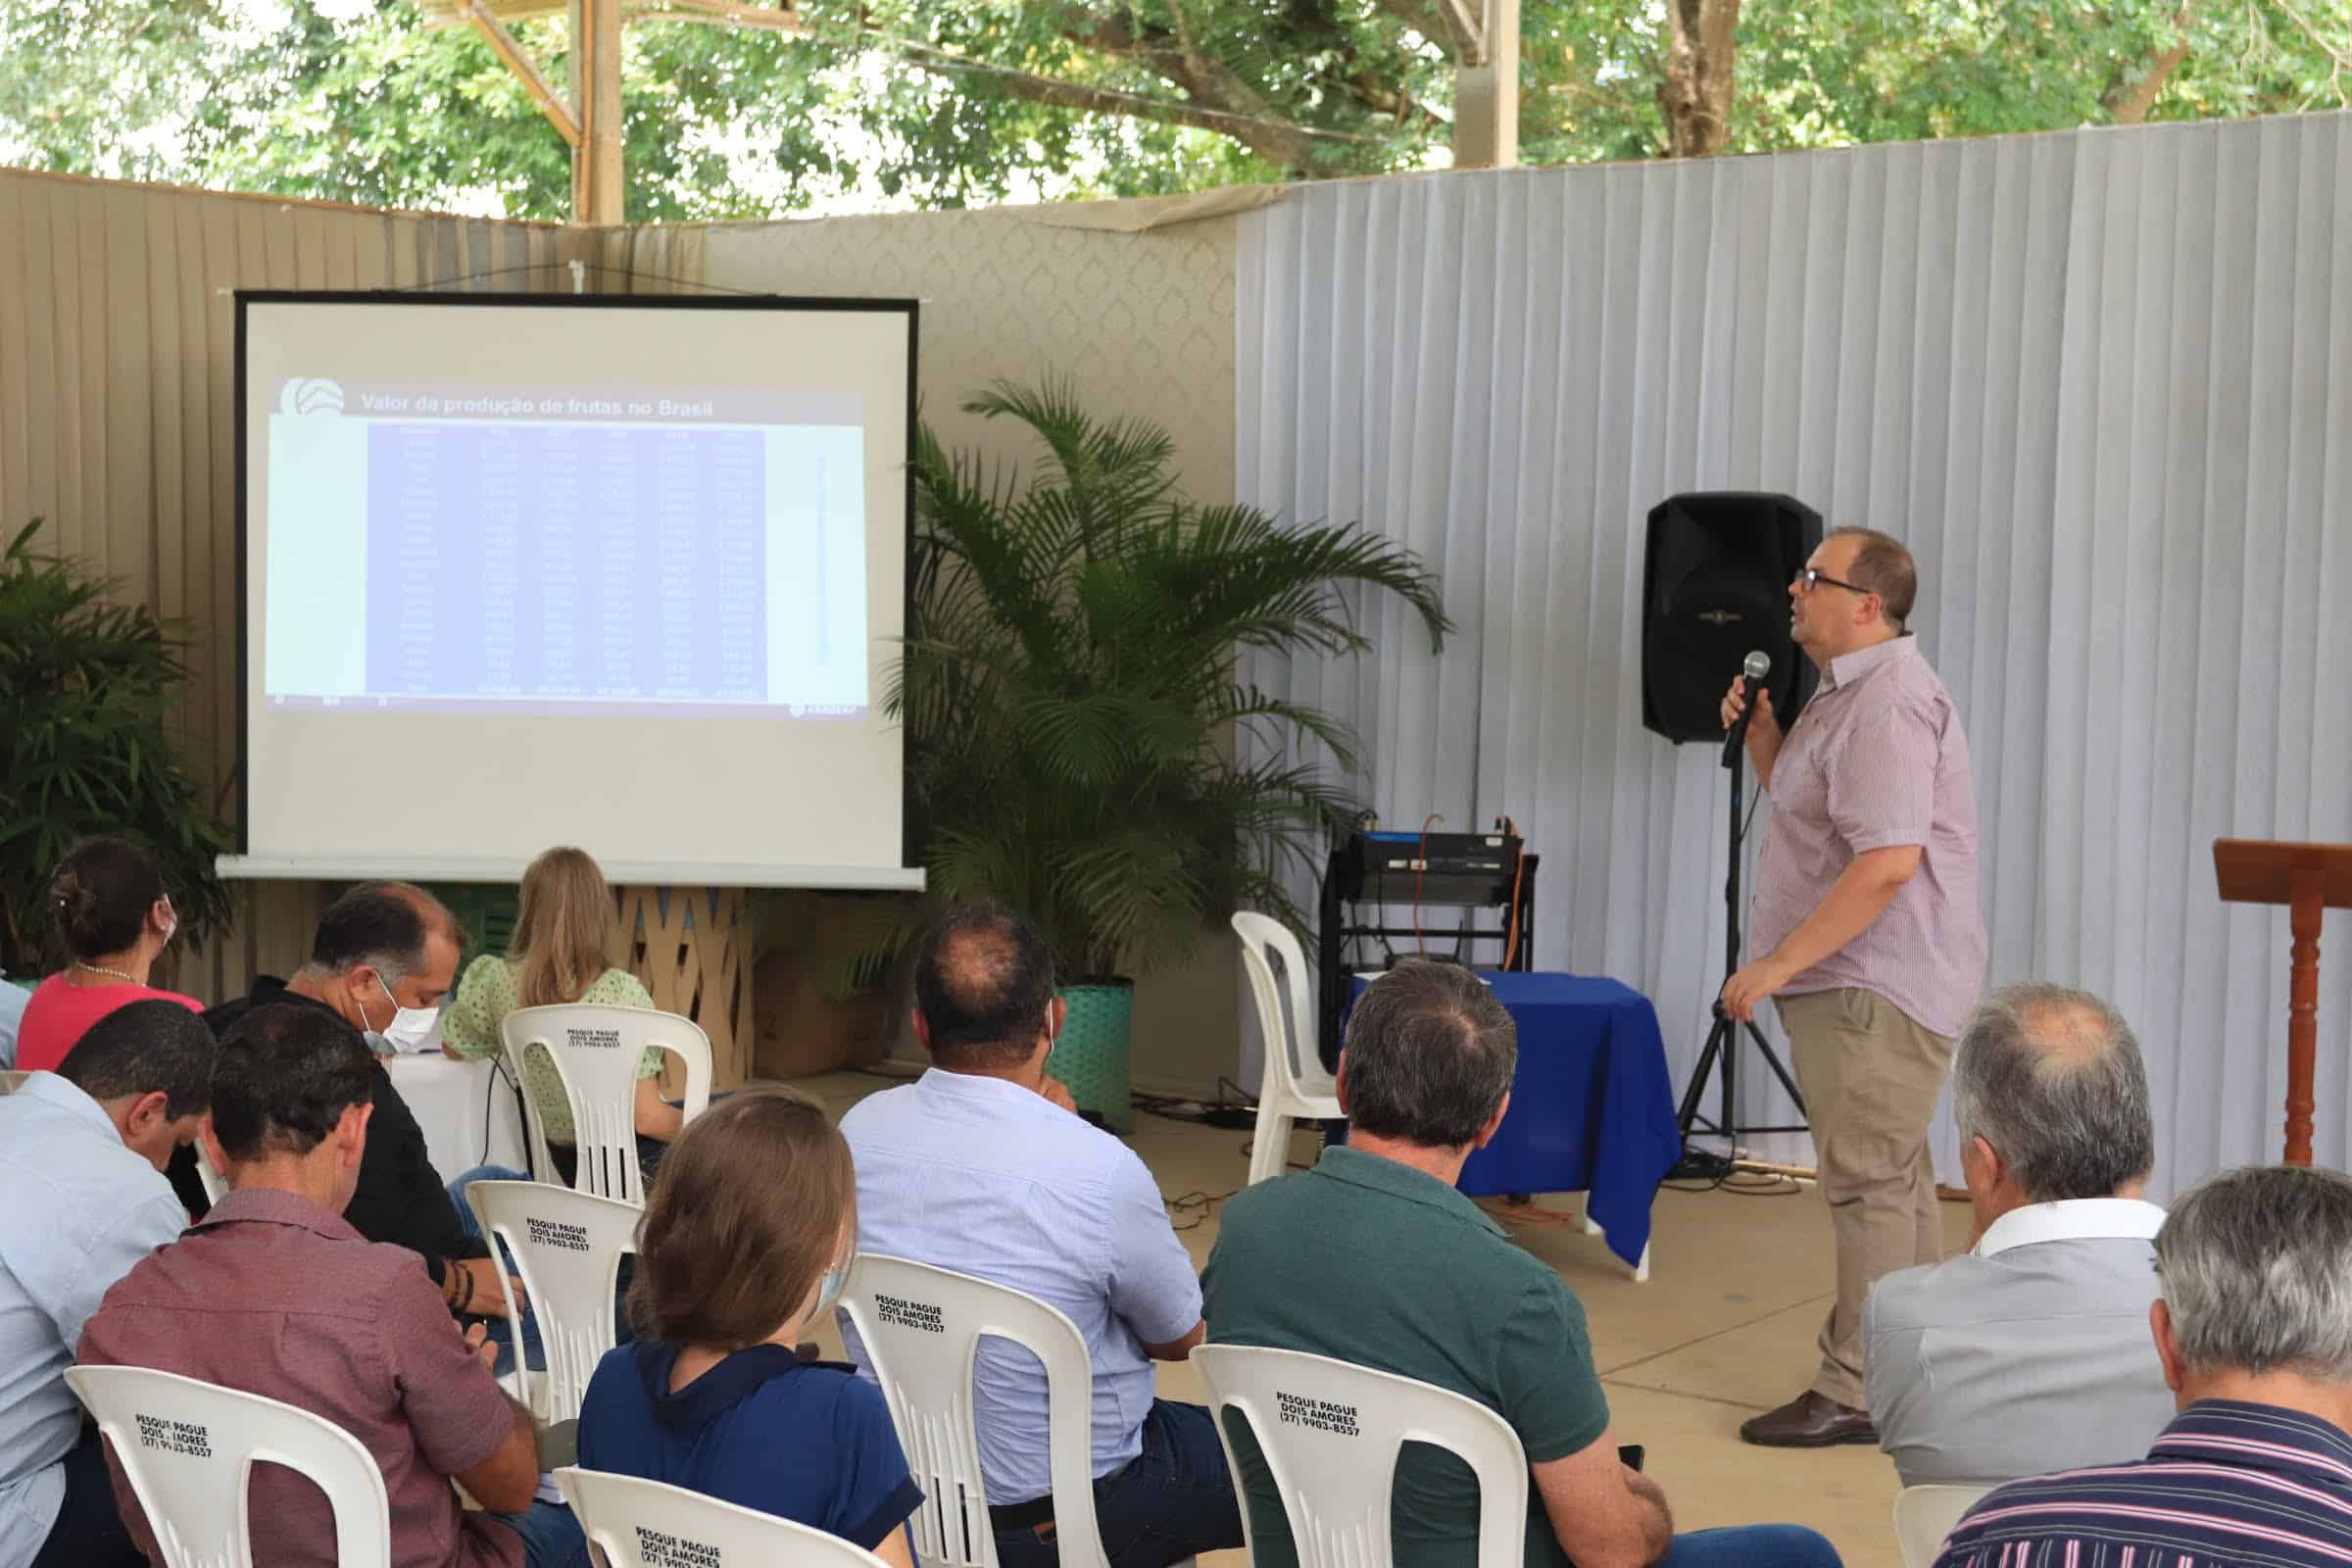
[467, 1109]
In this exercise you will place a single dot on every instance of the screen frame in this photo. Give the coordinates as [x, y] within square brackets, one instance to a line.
[241, 863]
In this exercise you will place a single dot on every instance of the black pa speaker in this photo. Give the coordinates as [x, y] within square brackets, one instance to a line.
[1715, 585]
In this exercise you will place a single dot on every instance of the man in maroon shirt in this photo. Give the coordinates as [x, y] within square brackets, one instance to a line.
[1868, 934]
[275, 1293]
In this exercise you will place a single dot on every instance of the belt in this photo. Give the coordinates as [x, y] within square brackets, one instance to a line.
[1040, 1511]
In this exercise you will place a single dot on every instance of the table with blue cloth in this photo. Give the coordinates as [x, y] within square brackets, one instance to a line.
[1591, 1106]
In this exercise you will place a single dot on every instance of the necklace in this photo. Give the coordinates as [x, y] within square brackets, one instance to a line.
[100, 968]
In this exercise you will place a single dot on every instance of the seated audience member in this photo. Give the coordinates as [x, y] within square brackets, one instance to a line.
[273, 1293]
[81, 1158]
[561, 952]
[745, 1242]
[1373, 1257]
[381, 963]
[2254, 1328]
[971, 1167]
[2030, 1352]
[115, 919]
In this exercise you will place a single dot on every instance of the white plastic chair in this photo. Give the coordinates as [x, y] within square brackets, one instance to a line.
[1330, 1431]
[921, 1329]
[1924, 1515]
[1286, 1090]
[567, 1247]
[619, 1513]
[189, 1449]
[596, 1050]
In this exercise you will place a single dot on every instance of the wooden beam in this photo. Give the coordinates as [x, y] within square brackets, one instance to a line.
[1486, 94]
[508, 48]
[1469, 32]
[596, 160]
[782, 18]
[453, 12]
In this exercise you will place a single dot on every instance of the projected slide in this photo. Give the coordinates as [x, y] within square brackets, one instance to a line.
[567, 551]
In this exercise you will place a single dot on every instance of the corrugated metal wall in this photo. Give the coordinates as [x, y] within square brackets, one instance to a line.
[116, 337]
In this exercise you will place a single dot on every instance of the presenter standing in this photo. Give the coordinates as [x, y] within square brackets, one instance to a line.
[1872, 942]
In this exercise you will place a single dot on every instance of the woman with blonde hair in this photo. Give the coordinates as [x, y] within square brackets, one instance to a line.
[745, 1244]
[561, 951]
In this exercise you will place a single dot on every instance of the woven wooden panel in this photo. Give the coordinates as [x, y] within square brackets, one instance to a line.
[692, 948]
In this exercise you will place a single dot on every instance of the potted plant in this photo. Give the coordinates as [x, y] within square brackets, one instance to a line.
[1069, 697]
[86, 685]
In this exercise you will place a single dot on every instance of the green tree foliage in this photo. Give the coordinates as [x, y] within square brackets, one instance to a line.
[958, 101]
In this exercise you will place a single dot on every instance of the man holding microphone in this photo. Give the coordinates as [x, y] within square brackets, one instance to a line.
[1872, 944]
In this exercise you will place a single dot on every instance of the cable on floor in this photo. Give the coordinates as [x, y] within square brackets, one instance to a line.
[1198, 1205]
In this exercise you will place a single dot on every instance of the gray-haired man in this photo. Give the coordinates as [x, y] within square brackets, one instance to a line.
[2030, 1352]
[2254, 1332]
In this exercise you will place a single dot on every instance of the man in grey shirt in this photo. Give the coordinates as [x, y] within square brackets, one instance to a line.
[2030, 1352]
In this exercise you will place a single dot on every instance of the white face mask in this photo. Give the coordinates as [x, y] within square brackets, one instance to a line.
[830, 1286]
[409, 1028]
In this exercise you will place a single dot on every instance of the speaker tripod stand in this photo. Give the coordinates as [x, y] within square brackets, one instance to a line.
[1722, 1050]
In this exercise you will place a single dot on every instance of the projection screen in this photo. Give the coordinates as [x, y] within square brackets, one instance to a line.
[618, 571]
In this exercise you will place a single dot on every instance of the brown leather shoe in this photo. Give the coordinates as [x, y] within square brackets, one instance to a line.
[1809, 1421]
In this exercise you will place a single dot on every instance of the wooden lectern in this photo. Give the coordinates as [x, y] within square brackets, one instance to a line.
[2307, 878]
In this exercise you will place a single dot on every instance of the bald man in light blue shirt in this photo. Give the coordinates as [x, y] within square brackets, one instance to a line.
[981, 1167]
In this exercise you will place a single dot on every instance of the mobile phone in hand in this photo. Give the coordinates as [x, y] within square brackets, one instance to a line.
[1630, 1456]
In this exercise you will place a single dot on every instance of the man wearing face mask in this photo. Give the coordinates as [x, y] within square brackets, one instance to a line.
[382, 960]
[981, 1167]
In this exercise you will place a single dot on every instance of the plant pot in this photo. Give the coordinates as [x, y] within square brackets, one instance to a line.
[1092, 1053]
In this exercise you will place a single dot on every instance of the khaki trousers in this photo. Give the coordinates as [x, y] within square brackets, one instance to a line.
[1870, 1077]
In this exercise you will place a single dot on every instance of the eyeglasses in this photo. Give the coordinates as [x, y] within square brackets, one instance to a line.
[1812, 578]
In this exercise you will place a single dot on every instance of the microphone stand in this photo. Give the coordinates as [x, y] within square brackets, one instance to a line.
[1724, 1038]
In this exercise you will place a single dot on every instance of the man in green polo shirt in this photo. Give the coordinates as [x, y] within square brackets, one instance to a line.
[1373, 1257]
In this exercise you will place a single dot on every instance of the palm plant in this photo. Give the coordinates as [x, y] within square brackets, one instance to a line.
[1068, 690]
[87, 689]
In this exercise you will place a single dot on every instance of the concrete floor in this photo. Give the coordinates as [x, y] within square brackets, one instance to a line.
[1723, 1329]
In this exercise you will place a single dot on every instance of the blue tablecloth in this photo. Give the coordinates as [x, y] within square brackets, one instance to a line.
[1591, 1106]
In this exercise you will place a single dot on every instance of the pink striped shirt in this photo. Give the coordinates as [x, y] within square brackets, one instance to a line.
[1878, 758]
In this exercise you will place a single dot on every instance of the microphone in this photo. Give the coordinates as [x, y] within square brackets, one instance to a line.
[1755, 666]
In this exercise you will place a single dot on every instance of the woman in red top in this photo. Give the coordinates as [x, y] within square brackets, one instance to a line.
[110, 906]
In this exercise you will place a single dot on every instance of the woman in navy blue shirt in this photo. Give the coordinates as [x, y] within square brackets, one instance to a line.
[754, 1205]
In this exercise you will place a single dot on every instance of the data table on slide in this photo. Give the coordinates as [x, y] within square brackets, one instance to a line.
[515, 561]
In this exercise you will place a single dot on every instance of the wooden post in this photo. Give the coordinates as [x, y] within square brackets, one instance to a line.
[1486, 92]
[2303, 1010]
[596, 160]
